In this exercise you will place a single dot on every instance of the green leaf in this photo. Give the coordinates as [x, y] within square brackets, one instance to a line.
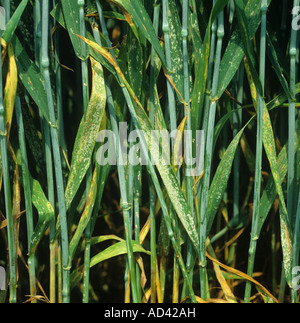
[135, 63]
[275, 63]
[142, 20]
[87, 134]
[70, 10]
[86, 215]
[57, 14]
[246, 41]
[31, 78]
[14, 21]
[115, 250]
[193, 28]
[270, 192]
[99, 239]
[220, 181]
[286, 233]
[234, 53]
[176, 47]
[270, 148]
[45, 211]
[281, 99]
[201, 69]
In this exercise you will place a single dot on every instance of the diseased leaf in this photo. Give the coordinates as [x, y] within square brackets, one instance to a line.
[86, 215]
[30, 76]
[87, 134]
[201, 69]
[45, 211]
[70, 9]
[10, 90]
[135, 64]
[221, 177]
[234, 53]
[142, 20]
[270, 148]
[270, 191]
[176, 47]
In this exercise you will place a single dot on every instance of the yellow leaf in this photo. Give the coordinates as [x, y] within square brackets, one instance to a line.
[245, 276]
[10, 90]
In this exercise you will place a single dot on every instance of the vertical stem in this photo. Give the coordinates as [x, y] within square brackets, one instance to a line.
[8, 203]
[121, 172]
[27, 192]
[56, 153]
[237, 122]
[188, 136]
[153, 242]
[173, 122]
[295, 255]
[48, 154]
[59, 99]
[7, 10]
[136, 210]
[152, 189]
[292, 175]
[7, 191]
[291, 182]
[84, 66]
[259, 147]
[37, 31]
[152, 67]
[208, 160]
[86, 266]
[170, 89]
[207, 95]
[85, 100]
[124, 196]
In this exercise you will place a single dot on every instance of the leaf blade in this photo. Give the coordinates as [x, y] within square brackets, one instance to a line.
[87, 134]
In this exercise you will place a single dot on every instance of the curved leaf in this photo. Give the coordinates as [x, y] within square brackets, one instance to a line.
[46, 214]
[118, 249]
[221, 178]
[142, 20]
[14, 21]
[71, 15]
[87, 134]
[86, 215]
[31, 77]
